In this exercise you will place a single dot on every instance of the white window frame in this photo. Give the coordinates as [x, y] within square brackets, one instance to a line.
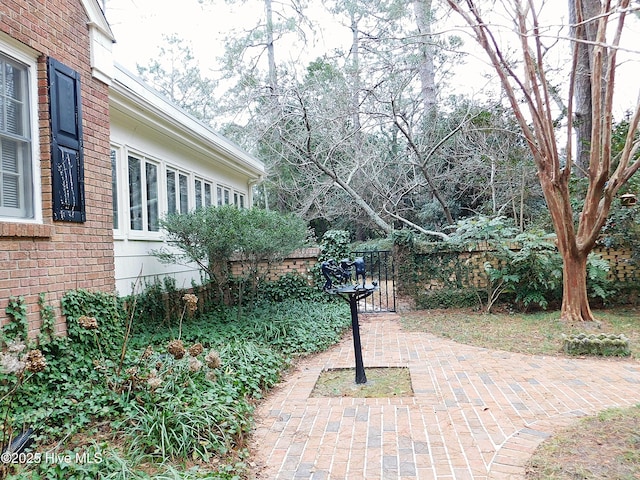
[27, 58]
[204, 183]
[239, 199]
[145, 233]
[223, 195]
[177, 175]
[115, 154]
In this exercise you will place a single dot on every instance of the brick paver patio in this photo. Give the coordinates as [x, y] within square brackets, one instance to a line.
[475, 413]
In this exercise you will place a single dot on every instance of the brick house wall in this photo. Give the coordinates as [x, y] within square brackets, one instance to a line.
[53, 257]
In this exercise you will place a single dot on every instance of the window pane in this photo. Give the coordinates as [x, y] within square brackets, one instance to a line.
[184, 194]
[9, 156]
[207, 194]
[135, 194]
[198, 184]
[14, 81]
[226, 197]
[114, 189]
[13, 98]
[171, 191]
[12, 178]
[10, 191]
[219, 195]
[152, 197]
[14, 117]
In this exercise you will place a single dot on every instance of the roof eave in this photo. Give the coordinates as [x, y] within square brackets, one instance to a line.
[132, 96]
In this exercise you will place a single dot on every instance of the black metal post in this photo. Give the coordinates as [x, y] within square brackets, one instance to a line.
[351, 293]
[361, 377]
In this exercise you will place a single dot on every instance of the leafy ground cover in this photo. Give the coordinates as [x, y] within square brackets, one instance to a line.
[606, 446]
[176, 403]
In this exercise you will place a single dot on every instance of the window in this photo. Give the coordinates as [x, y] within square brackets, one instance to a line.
[143, 195]
[238, 199]
[203, 193]
[114, 189]
[224, 195]
[16, 172]
[177, 192]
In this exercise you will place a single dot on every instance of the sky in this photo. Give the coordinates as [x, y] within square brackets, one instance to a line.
[139, 25]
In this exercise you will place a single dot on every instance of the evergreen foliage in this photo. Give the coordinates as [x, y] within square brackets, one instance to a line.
[212, 237]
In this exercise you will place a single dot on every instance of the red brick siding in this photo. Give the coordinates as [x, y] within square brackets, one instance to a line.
[58, 256]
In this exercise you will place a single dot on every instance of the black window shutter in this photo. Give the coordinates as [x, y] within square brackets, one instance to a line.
[67, 160]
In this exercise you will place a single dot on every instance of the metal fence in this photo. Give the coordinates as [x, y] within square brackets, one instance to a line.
[380, 269]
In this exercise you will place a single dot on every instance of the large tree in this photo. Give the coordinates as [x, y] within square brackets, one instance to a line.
[176, 73]
[530, 97]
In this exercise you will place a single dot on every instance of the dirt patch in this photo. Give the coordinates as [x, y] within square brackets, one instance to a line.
[382, 382]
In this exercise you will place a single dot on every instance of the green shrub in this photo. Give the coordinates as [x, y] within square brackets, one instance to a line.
[525, 269]
[599, 285]
[335, 244]
[211, 237]
[448, 298]
[532, 273]
[290, 286]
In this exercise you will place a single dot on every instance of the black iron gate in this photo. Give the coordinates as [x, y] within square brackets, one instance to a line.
[379, 268]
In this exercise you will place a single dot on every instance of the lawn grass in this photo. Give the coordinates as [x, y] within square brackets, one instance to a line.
[537, 333]
[604, 446]
[382, 382]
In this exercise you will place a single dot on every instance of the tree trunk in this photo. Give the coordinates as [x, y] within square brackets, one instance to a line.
[583, 109]
[273, 80]
[355, 73]
[422, 9]
[575, 301]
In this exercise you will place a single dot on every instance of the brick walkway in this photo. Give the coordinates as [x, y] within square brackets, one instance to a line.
[475, 413]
